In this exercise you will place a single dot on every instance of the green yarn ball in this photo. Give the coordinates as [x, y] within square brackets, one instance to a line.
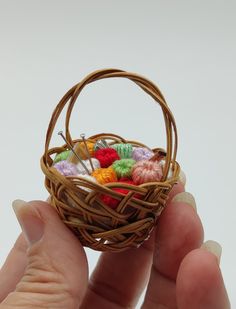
[61, 156]
[123, 167]
[124, 150]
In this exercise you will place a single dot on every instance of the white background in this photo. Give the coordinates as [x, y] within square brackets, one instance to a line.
[187, 47]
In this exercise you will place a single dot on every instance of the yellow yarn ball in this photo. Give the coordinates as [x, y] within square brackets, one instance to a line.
[105, 175]
[90, 146]
[80, 150]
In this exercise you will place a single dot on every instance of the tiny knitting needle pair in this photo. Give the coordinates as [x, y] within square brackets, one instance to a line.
[77, 156]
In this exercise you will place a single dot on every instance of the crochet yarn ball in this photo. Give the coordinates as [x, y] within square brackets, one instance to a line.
[61, 156]
[113, 202]
[106, 156]
[124, 150]
[87, 177]
[123, 167]
[82, 170]
[126, 180]
[142, 153]
[66, 168]
[105, 175]
[146, 171]
[80, 150]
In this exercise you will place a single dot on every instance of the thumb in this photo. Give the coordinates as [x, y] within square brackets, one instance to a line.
[57, 273]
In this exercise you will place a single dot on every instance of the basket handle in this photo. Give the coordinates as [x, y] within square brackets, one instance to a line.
[150, 88]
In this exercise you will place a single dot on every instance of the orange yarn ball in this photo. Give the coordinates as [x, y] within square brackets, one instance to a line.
[105, 175]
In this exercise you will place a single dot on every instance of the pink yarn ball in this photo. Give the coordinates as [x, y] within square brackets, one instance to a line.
[146, 171]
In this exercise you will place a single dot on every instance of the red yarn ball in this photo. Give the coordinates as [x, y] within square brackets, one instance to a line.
[113, 202]
[127, 180]
[106, 156]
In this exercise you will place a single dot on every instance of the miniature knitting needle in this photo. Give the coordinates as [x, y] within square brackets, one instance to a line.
[105, 143]
[71, 148]
[101, 143]
[87, 151]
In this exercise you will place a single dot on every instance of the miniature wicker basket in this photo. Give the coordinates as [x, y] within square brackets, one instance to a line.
[95, 224]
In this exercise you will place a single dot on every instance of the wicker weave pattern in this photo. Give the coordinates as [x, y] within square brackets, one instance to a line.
[96, 224]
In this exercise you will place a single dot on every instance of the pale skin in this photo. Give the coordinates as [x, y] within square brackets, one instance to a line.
[47, 267]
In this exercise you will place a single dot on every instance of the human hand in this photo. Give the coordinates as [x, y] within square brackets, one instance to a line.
[50, 269]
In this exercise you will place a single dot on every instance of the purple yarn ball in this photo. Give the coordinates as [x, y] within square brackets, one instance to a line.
[142, 154]
[66, 168]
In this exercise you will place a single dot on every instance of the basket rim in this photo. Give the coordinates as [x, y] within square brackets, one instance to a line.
[77, 181]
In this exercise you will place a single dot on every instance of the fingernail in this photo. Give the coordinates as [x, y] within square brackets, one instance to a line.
[185, 197]
[31, 224]
[182, 178]
[213, 247]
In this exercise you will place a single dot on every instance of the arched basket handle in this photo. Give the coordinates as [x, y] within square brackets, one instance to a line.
[71, 96]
